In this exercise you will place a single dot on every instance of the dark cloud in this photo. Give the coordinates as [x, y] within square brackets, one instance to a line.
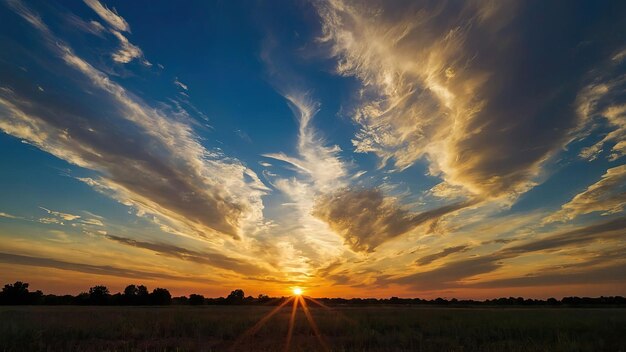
[212, 259]
[500, 240]
[450, 274]
[444, 253]
[615, 273]
[43, 262]
[613, 229]
[365, 218]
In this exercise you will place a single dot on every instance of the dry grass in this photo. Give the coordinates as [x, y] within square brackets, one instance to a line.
[216, 328]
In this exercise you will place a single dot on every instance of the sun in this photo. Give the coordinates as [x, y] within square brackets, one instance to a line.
[297, 291]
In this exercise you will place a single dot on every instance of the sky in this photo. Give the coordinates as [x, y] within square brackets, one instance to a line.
[419, 148]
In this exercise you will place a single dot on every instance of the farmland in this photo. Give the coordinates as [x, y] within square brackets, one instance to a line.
[376, 328]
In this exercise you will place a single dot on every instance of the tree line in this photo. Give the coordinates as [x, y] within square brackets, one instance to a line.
[139, 295]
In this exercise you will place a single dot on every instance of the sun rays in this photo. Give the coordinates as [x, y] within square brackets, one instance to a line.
[298, 299]
[292, 322]
[312, 323]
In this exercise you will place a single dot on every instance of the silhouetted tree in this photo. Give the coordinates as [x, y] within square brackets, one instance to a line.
[236, 297]
[182, 300]
[131, 290]
[18, 294]
[130, 295]
[196, 300]
[160, 297]
[99, 295]
[263, 298]
[82, 299]
[143, 296]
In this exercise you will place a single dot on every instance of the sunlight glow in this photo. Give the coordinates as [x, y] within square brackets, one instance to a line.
[297, 291]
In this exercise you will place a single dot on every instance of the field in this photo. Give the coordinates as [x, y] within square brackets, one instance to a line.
[387, 328]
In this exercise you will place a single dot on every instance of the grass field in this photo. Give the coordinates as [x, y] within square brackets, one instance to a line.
[395, 328]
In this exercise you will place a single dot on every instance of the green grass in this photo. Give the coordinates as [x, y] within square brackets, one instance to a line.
[216, 328]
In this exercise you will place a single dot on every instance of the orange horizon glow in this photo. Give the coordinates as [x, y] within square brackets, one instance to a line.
[61, 282]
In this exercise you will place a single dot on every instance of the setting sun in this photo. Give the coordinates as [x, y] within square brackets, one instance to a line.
[297, 291]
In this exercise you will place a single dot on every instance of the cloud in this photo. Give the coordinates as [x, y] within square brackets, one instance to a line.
[608, 196]
[442, 254]
[148, 159]
[63, 216]
[109, 16]
[57, 218]
[49, 221]
[365, 218]
[17, 259]
[612, 273]
[457, 273]
[180, 84]
[243, 135]
[450, 274]
[602, 100]
[127, 51]
[609, 230]
[92, 27]
[8, 216]
[207, 258]
[320, 163]
[31, 17]
[94, 222]
[446, 82]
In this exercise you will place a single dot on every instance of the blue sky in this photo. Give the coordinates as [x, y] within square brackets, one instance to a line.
[371, 148]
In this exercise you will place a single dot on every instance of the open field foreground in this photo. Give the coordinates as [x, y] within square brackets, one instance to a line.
[223, 328]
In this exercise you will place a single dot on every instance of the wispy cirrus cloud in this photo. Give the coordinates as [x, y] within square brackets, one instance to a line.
[201, 257]
[319, 162]
[437, 84]
[319, 169]
[110, 16]
[602, 102]
[18, 259]
[127, 51]
[92, 27]
[180, 84]
[608, 196]
[153, 161]
[63, 216]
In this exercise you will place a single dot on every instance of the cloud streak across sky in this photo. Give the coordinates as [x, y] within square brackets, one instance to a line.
[438, 84]
[146, 158]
